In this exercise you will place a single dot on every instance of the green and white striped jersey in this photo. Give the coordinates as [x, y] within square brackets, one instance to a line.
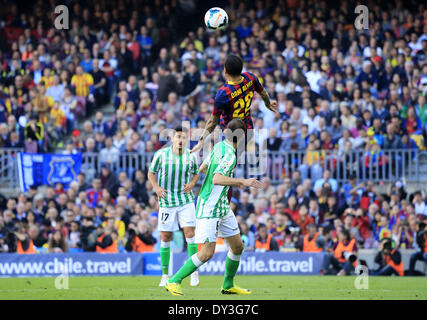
[213, 201]
[173, 171]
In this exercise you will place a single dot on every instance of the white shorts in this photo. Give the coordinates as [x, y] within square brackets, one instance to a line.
[209, 229]
[168, 217]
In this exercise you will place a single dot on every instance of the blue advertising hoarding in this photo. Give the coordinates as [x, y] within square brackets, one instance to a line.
[152, 265]
[258, 263]
[47, 169]
[74, 264]
[126, 264]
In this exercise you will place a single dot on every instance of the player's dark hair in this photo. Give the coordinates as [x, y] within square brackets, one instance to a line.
[231, 132]
[233, 65]
[236, 124]
[181, 129]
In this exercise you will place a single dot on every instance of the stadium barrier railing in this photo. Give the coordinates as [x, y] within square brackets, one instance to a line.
[383, 165]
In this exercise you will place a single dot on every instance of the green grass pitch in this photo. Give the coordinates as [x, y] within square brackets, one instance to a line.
[264, 287]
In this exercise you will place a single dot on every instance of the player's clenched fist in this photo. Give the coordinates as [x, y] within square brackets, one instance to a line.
[252, 182]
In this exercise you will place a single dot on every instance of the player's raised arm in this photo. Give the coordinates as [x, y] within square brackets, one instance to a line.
[272, 105]
[210, 126]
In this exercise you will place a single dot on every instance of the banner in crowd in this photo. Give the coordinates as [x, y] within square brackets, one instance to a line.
[47, 169]
[257, 263]
[74, 264]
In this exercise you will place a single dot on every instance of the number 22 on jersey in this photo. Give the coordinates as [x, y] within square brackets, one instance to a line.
[243, 104]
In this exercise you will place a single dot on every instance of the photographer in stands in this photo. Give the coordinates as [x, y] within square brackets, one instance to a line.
[343, 257]
[313, 240]
[24, 244]
[422, 244]
[87, 234]
[389, 259]
[105, 242]
[265, 242]
[140, 238]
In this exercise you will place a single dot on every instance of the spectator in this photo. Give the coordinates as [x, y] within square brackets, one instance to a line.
[57, 243]
[23, 243]
[313, 241]
[303, 220]
[140, 238]
[326, 178]
[74, 235]
[389, 259]
[421, 255]
[267, 190]
[109, 154]
[167, 83]
[94, 195]
[109, 180]
[105, 243]
[343, 257]
[294, 142]
[100, 83]
[139, 190]
[265, 242]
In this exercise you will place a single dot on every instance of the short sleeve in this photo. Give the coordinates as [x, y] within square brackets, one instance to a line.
[257, 84]
[156, 162]
[226, 164]
[221, 102]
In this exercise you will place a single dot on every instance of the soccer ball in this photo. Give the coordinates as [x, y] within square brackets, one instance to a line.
[216, 19]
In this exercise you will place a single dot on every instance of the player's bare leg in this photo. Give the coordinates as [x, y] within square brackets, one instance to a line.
[192, 264]
[191, 249]
[165, 240]
[231, 265]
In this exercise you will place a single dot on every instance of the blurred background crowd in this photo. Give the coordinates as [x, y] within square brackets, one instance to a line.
[338, 89]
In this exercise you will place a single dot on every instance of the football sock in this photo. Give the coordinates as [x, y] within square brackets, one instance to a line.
[165, 256]
[191, 246]
[231, 265]
[188, 268]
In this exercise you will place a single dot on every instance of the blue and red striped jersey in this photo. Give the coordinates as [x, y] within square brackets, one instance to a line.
[233, 100]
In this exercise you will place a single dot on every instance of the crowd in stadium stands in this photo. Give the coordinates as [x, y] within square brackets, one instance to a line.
[338, 89]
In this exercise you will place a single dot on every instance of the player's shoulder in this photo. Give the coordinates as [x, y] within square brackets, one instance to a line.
[228, 150]
[222, 92]
[161, 151]
[249, 76]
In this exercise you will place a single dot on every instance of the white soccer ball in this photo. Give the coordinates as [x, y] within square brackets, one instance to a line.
[216, 19]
